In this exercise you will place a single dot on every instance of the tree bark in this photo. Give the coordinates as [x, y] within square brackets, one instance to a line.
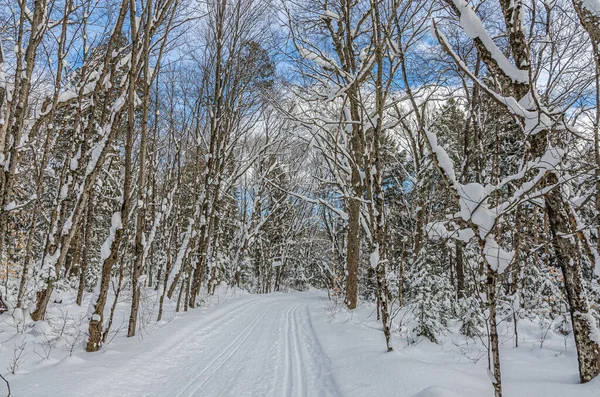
[494, 341]
[460, 274]
[353, 253]
[569, 257]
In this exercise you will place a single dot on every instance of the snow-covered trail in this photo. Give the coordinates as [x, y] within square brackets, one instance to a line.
[252, 346]
[282, 345]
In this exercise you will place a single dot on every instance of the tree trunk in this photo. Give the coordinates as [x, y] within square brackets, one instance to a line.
[114, 305]
[95, 328]
[384, 299]
[353, 253]
[568, 255]
[460, 273]
[494, 342]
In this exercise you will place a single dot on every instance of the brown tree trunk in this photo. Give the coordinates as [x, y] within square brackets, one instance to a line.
[569, 257]
[384, 299]
[16, 120]
[187, 284]
[96, 322]
[460, 273]
[95, 328]
[138, 265]
[114, 305]
[179, 295]
[82, 200]
[353, 253]
[165, 280]
[494, 341]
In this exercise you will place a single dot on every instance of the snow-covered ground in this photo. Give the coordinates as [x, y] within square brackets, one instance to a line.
[294, 344]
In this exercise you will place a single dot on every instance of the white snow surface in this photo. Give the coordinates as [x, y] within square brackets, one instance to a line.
[474, 28]
[296, 344]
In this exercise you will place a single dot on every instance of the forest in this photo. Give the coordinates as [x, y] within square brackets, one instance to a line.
[433, 165]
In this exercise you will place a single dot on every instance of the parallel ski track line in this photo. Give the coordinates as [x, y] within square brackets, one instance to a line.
[225, 355]
[330, 382]
[212, 323]
[297, 349]
[186, 333]
[289, 367]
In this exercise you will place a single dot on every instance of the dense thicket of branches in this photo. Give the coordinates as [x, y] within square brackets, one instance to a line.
[395, 150]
